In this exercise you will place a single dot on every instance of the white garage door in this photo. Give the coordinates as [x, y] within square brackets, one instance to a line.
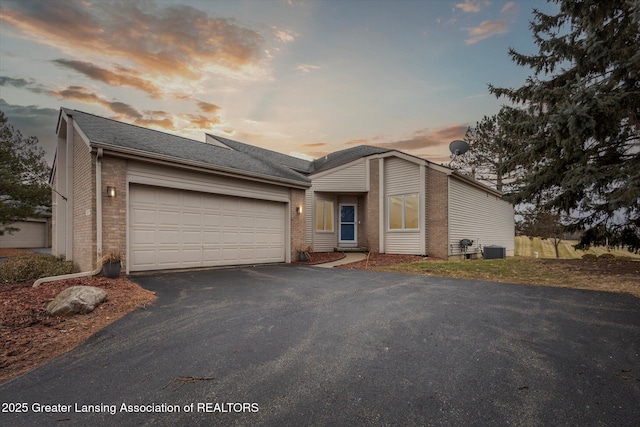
[183, 229]
[32, 234]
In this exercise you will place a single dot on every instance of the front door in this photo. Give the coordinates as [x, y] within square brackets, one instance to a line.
[348, 235]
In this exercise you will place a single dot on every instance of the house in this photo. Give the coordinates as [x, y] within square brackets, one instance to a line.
[33, 233]
[168, 202]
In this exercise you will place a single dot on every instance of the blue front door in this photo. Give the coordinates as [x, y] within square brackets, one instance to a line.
[348, 225]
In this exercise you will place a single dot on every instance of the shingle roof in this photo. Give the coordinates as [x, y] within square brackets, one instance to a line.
[244, 158]
[118, 134]
[305, 166]
[295, 163]
[345, 156]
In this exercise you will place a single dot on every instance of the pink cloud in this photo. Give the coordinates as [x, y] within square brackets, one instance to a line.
[160, 40]
[121, 110]
[492, 27]
[421, 139]
[472, 6]
[511, 7]
[121, 77]
[486, 29]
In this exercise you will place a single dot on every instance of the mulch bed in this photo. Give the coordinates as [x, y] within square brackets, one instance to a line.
[321, 258]
[30, 337]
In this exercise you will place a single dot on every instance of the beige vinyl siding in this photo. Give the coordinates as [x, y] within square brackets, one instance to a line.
[309, 215]
[350, 178]
[343, 179]
[401, 177]
[140, 173]
[32, 234]
[480, 216]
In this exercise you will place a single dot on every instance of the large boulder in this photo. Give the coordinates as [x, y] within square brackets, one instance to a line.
[76, 299]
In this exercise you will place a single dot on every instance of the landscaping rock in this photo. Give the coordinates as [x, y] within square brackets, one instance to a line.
[76, 300]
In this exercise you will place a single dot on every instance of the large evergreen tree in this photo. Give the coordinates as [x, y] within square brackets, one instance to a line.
[579, 134]
[23, 177]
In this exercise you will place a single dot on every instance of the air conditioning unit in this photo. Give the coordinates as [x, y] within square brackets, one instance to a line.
[494, 252]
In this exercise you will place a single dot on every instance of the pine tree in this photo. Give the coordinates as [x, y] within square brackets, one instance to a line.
[23, 177]
[579, 135]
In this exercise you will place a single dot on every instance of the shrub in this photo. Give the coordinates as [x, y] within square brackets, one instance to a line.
[590, 256]
[110, 257]
[30, 267]
[607, 256]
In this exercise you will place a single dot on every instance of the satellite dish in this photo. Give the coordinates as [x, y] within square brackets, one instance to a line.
[458, 147]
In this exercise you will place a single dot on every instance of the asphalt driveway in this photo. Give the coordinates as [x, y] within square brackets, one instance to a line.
[294, 345]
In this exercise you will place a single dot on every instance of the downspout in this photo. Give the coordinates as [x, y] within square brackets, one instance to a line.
[69, 191]
[99, 204]
[98, 230]
[422, 209]
[382, 229]
[66, 276]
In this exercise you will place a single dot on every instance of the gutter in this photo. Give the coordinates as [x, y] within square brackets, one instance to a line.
[146, 156]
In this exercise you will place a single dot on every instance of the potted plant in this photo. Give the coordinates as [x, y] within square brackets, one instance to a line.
[111, 263]
[305, 254]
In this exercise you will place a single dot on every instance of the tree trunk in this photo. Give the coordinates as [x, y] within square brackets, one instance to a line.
[556, 243]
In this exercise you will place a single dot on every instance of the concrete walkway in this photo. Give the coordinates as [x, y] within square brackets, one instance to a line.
[349, 258]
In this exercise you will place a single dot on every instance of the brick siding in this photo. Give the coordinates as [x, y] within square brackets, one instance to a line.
[373, 207]
[84, 205]
[114, 209]
[437, 214]
[298, 224]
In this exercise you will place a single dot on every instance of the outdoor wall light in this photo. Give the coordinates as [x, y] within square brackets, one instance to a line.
[111, 191]
[298, 210]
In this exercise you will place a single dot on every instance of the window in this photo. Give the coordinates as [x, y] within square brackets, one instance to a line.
[404, 212]
[324, 215]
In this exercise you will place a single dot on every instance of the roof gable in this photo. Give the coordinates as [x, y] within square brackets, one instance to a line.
[305, 166]
[119, 135]
[345, 156]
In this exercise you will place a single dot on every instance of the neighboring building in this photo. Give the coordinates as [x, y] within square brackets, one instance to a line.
[34, 233]
[168, 202]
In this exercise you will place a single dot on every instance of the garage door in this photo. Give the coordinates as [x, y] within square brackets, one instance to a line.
[32, 234]
[184, 229]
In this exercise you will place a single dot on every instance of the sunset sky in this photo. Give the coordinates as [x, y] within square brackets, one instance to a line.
[296, 76]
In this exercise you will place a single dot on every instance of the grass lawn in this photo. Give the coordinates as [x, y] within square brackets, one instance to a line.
[526, 247]
[615, 275]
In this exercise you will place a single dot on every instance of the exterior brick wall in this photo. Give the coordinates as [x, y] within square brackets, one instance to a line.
[373, 207]
[437, 214]
[298, 224]
[114, 209]
[84, 205]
